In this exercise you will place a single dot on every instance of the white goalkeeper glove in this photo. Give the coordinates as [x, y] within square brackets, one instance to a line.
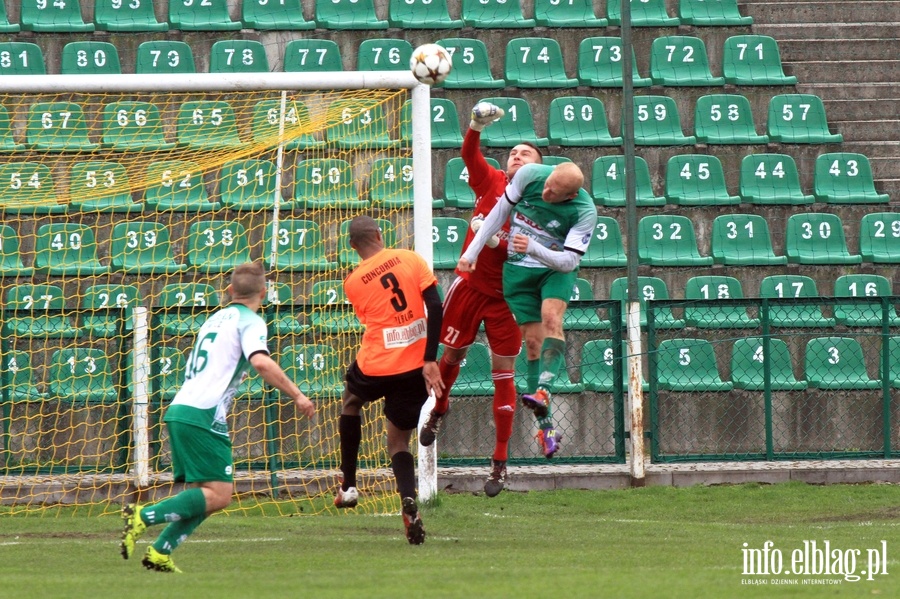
[483, 114]
[476, 224]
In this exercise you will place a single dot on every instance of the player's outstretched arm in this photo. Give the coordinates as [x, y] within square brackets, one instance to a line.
[272, 373]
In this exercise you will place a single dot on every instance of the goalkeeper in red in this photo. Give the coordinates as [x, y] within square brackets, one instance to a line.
[477, 297]
[552, 225]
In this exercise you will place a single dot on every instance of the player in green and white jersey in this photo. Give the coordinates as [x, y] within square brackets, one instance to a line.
[231, 340]
[552, 224]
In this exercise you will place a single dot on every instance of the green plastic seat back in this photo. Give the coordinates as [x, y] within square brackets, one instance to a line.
[688, 365]
[608, 182]
[266, 124]
[598, 360]
[133, 16]
[457, 192]
[649, 288]
[421, 14]
[217, 246]
[27, 185]
[658, 123]
[837, 363]
[175, 184]
[514, 127]
[247, 184]
[536, 62]
[577, 317]
[315, 367]
[53, 17]
[669, 240]
[164, 56]
[207, 124]
[494, 14]
[358, 124]
[271, 15]
[600, 63]
[748, 364]
[753, 60]
[347, 256]
[90, 58]
[794, 315]
[475, 372]
[863, 285]
[5, 25]
[716, 287]
[37, 298]
[66, 248]
[447, 237]
[879, 237]
[573, 13]
[190, 15]
[331, 312]
[771, 179]
[681, 60]
[185, 295]
[720, 13]
[325, 182]
[579, 121]
[725, 119]
[10, 260]
[391, 183]
[845, 178]
[167, 371]
[299, 246]
[21, 377]
[238, 56]
[82, 375]
[21, 58]
[117, 299]
[743, 240]
[312, 55]
[58, 126]
[133, 125]
[646, 13]
[799, 118]
[348, 14]
[471, 65]
[606, 248]
[142, 247]
[445, 130]
[100, 185]
[388, 54]
[697, 180]
[817, 238]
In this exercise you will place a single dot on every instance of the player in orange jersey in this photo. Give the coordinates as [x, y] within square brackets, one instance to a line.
[395, 295]
[477, 297]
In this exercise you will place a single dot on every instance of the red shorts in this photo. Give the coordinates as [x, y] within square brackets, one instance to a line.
[464, 311]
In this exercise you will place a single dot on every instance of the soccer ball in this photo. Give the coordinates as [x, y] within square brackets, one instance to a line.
[430, 63]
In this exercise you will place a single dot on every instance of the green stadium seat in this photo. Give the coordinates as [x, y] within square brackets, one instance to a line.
[284, 322]
[863, 315]
[817, 238]
[347, 256]
[10, 259]
[391, 183]
[132, 17]
[579, 121]
[793, 315]
[646, 13]
[90, 58]
[550, 160]
[649, 288]
[37, 298]
[679, 61]
[688, 365]
[66, 249]
[533, 62]
[207, 125]
[606, 248]
[608, 182]
[167, 372]
[238, 56]
[471, 65]
[600, 63]
[316, 368]
[300, 247]
[494, 14]
[421, 14]
[445, 131]
[562, 384]
[5, 25]
[99, 186]
[268, 15]
[266, 125]
[845, 178]
[514, 127]
[657, 122]
[799, 119]
[725, 119]
[20, 378]
[697, 180]
[7, 141]
[879, 237]
[743, 240]
[474, 372]
[331, 313]
[837, 363]
[572, 13]
[252, 388]
[771, 179]
[249, 184]
[457, 193]
[164, 56]
[133, 126]
[669, 240]
[348, 14]
[597, 366]
[189, 15]
[580, 318]
[58, 127]
[27, 188]
[52, 17]
[21, 58]
[716, 287]
[894, 352]
[142, 248]
[122, 298]
[326, 183]
[217, 246]
[183, 295]
[355, 125]
[176, 185]
[717, 13]
[753, 60]
[312, 55]
[748, 360]
[447, 237]
[81, 375]
[387, 54]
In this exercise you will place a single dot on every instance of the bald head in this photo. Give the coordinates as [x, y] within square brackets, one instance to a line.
[365, 234]
[563, 183]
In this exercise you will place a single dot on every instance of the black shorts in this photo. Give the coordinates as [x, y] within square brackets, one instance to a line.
[404, 394]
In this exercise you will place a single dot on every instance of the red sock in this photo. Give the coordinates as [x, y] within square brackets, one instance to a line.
[504, 410]
[449, 373]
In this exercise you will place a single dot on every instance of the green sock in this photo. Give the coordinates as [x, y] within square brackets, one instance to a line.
[547, 421]
[176, 533]
[553, 358]
[534, 373]
[184, 506]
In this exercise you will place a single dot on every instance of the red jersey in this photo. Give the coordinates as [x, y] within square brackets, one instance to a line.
[488, 183]
[386, 293]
